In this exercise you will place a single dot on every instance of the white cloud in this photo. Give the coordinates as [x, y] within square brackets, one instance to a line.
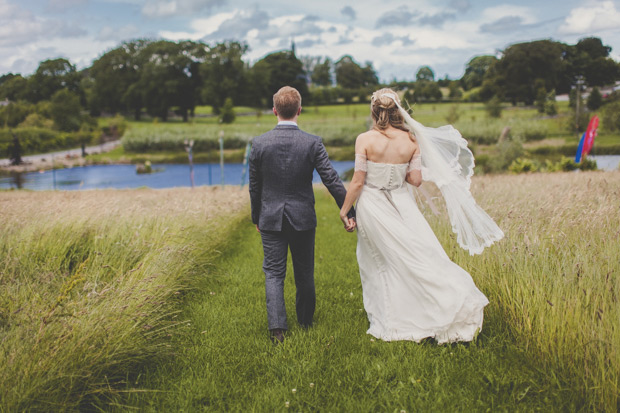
[19, 26]
[167, 8]
[117, 33]
[492, 14]
[597, 17]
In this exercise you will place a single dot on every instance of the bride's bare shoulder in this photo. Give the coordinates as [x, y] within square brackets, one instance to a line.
[364, 136]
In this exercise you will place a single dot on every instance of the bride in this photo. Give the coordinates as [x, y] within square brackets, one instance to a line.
[411, 288]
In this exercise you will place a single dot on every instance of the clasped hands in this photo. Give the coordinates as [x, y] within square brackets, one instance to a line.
[349, 223]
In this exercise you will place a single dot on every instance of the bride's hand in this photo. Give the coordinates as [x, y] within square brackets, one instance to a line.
[349, 223]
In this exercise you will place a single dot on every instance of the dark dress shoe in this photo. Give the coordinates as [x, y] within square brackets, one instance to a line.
[277, 335]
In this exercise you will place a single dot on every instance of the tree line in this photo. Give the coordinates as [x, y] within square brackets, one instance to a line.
[161, 77]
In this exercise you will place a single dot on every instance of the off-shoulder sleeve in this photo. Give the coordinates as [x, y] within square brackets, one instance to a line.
[415, 164]
[360, 162]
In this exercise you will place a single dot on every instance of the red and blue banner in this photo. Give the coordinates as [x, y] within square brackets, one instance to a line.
[587, 139]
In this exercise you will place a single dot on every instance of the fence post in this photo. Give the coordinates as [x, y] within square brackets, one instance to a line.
[245, 163]
[222, 155]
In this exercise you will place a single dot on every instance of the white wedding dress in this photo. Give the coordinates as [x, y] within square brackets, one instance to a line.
[411, 288]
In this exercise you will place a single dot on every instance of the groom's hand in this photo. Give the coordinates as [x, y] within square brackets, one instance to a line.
[257, 229]
[350, 225]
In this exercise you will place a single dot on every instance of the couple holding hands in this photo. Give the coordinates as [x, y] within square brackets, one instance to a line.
[411, 288]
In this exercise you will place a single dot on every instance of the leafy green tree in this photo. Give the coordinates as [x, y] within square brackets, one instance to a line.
[455, 91]
[541, 99]
[168, 77]
[15, 150]
[113, 74]
[13, 87]
[593, 46]
[50, 77]
[427, 91]
[322, 73]
[425, 74]
[369, 75]
[590, 58]
[274, 71]
[515, 74]
[66, 110]
[595, 99]
[14, 113]
[349, 74]
[224, 75]
[475, 70]
[551, 108]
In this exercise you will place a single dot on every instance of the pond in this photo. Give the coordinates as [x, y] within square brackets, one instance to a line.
[606, 162]
[125, 176]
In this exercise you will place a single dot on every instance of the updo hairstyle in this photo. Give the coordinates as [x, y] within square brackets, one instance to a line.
[385, 112]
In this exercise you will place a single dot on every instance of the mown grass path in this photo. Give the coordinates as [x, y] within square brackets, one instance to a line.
[224, 359]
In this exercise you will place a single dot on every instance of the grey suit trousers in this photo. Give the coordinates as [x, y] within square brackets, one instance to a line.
[275, 247]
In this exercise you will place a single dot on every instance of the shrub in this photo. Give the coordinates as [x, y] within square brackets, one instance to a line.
[611, 116]
[14, 113]
[588, 164]
[228, 112]
[453, 114]
[521, 165]
[567, 164]
[551, 108]
[34, 120]
[494, 107]
[66, 110]
[37, 140]
[114, 129]
[505, 153]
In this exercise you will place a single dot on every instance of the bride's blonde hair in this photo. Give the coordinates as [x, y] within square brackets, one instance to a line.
[385, 112]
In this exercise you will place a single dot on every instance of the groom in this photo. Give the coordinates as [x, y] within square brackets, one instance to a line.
[282, 163]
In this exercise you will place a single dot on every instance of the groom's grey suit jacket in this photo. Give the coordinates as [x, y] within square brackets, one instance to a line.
[282, 163]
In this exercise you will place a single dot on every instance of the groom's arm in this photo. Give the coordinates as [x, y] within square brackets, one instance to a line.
[255, 184]
[330, 177]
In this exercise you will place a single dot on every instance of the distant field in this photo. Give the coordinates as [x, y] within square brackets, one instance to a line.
[339, 125]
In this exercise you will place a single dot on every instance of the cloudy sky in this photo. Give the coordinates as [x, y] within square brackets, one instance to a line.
[397, 36]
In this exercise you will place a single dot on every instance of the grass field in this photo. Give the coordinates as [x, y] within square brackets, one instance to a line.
[550, 342]
[339, 125]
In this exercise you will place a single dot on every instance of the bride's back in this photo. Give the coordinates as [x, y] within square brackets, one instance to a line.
[391, 145]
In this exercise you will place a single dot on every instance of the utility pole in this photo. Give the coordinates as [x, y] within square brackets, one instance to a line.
[580, 82]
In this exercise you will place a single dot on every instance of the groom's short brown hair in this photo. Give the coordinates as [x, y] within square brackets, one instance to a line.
[287, 102]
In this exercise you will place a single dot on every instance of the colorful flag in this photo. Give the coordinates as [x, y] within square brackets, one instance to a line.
[590, 135]
[580, 148]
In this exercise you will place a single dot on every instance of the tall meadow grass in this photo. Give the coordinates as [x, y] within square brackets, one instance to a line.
[90, 286]
[555, 279]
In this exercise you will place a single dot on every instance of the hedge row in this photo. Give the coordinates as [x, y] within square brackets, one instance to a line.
[37, 140]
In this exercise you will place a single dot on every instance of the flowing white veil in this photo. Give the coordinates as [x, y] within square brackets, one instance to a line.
[448, 162]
